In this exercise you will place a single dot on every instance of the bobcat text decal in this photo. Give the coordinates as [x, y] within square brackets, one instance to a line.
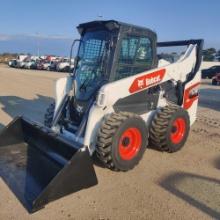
[147, 80]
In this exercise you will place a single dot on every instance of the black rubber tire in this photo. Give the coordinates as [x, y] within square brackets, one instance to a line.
[214, 82]
[162, 125]
[111, 129]
[48, 117]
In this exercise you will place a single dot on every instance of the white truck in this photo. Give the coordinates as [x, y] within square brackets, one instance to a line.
[64, 65]
[21, 60]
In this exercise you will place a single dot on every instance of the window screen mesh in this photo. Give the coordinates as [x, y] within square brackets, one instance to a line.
[93, 49]
[91, 67]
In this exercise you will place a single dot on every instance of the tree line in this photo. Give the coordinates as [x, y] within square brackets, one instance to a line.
[211, 54]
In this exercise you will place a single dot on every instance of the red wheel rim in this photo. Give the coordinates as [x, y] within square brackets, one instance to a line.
[130, 143]
[178, 130]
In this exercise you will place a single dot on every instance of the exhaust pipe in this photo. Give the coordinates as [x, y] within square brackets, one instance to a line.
[40, 166]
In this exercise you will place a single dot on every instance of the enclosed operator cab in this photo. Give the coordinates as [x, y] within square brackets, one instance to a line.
[109, 51]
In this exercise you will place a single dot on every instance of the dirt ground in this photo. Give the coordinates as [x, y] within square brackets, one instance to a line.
[184, 185]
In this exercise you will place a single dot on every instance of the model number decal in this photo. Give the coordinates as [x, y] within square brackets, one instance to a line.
[191, 95]
[147, 80]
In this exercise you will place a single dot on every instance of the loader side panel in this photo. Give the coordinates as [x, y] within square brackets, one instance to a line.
[140, 102]
[191, 97]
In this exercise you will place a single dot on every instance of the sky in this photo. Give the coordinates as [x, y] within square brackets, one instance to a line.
[50, 25]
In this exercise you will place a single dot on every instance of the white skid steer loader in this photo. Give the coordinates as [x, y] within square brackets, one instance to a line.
[119, 99]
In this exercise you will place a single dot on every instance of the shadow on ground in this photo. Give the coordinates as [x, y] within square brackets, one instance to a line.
[33, 109]
[199, 191]
[209, 98]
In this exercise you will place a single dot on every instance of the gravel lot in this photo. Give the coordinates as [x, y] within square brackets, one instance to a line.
[184, 185]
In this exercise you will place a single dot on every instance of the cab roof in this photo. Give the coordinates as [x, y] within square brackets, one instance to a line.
[112, 25]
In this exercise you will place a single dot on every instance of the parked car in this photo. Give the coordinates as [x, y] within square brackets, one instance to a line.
[20, 64]
[34, 65]
[210, 72]
[21, 59]
[12, 63]
[39, 65]
[53, 66]
[30, 64]
[64, 65]
[216, 79]
[52, 63]
[46, 65]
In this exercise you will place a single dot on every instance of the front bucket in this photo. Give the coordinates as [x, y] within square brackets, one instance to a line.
[40, 166]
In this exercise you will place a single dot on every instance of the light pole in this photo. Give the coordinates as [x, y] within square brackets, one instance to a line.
[38, 44]
[100, 17]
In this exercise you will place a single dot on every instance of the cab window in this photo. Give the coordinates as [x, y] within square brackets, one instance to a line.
[135, 56]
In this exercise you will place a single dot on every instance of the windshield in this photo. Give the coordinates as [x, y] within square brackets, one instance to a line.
[91, 69]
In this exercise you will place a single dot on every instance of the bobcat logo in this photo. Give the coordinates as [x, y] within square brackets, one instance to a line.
[147, 80]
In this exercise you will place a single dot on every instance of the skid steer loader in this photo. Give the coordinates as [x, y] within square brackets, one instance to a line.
[119, 99]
